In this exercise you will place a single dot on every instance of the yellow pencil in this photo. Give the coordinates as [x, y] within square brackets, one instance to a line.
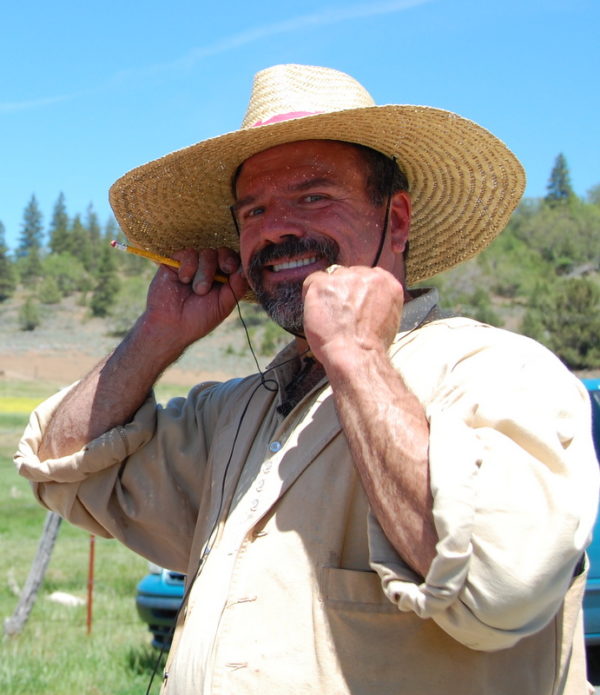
[165, 260]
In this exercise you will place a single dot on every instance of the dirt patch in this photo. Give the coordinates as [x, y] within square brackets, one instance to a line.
[68, 343]
[65, 368]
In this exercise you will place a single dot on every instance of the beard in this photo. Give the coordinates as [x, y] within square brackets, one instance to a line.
[284, 303]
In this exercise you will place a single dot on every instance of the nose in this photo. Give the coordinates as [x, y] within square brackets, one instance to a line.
[280, 230]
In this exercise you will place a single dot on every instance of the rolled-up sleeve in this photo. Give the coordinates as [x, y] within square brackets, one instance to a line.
[140, 482]
[514, 480]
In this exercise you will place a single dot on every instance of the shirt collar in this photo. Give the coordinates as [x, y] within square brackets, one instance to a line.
[421, 308]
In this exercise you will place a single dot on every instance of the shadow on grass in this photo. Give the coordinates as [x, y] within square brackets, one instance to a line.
[145, 659]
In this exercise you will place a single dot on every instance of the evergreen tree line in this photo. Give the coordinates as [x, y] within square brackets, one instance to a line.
[72, 256]
[540, 277]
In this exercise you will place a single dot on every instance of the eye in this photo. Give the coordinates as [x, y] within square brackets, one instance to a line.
[313, 198]
[254, 212]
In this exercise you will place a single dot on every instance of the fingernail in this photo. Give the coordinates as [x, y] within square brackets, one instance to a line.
[200, 285]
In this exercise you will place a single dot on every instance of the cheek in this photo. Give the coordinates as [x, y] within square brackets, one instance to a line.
[246, 251]
[360, 240]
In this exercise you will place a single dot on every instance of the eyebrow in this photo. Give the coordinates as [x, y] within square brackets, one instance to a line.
[312, 183]
[317, 181]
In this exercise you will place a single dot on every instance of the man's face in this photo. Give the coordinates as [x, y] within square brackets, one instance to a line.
[301, 207]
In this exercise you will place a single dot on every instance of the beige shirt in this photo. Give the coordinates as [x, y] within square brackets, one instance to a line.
[299, 590]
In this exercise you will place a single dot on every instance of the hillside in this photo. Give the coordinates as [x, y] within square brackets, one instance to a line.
[69, 341]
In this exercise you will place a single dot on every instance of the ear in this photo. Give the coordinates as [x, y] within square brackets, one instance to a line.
[400, 212]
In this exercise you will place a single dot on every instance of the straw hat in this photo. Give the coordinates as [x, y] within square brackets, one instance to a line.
[464, 182]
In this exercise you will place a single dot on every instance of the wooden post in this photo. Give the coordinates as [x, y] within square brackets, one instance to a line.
[15, 624]
[90, 583]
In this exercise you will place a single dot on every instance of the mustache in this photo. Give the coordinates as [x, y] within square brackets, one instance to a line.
[284, 304]
[326, 248]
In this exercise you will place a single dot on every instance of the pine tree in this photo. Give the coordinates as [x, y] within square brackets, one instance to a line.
[112, 230]
[108, 285]
[81, 243]
[30, 267]
[126, 262]
[8, 274]
[60, 238]
[32, 231]
[559, 185]
[93, 225]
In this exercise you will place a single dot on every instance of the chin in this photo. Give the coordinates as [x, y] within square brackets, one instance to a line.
[284, 305]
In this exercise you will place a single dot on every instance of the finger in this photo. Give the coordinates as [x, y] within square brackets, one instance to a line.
[188, 259]
[205, 273]
[323, 279]
[228, 260]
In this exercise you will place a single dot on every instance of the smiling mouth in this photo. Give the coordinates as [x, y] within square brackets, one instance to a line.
[288, 265]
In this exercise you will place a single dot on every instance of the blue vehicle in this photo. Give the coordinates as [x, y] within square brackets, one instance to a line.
[160, 593]
[158, 597]
[591, 601]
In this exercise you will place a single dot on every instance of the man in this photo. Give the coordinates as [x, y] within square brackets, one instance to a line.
[401, 503]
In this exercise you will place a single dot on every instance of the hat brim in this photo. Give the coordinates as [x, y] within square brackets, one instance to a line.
[464, 182]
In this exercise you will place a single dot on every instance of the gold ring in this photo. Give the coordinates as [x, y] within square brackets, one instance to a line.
[332, 268]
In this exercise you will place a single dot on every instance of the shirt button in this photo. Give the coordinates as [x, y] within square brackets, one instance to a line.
[254, 505]
[275, 447]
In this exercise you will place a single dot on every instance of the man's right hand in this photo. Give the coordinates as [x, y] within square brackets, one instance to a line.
[186, 304]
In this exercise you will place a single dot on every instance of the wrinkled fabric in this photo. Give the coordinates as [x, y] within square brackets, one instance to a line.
[299, 589]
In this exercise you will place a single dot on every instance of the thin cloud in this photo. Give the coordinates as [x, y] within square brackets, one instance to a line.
[13, 106]
[317, 19]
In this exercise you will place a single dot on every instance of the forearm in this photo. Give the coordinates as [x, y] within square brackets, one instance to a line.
[388, 436]
[111, 393]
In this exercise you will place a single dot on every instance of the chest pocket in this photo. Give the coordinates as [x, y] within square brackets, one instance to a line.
[355, 590]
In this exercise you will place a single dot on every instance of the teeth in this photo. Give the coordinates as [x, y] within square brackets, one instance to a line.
[292, 264]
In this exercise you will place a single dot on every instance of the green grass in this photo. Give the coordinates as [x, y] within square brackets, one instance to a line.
[54, 654]
[11, 421]
[36, 390]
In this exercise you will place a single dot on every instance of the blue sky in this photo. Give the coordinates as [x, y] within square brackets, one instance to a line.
[92, 89]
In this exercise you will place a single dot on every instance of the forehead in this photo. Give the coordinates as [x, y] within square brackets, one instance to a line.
[328, 158]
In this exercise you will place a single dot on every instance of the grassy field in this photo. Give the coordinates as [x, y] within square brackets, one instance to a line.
[54, 655]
